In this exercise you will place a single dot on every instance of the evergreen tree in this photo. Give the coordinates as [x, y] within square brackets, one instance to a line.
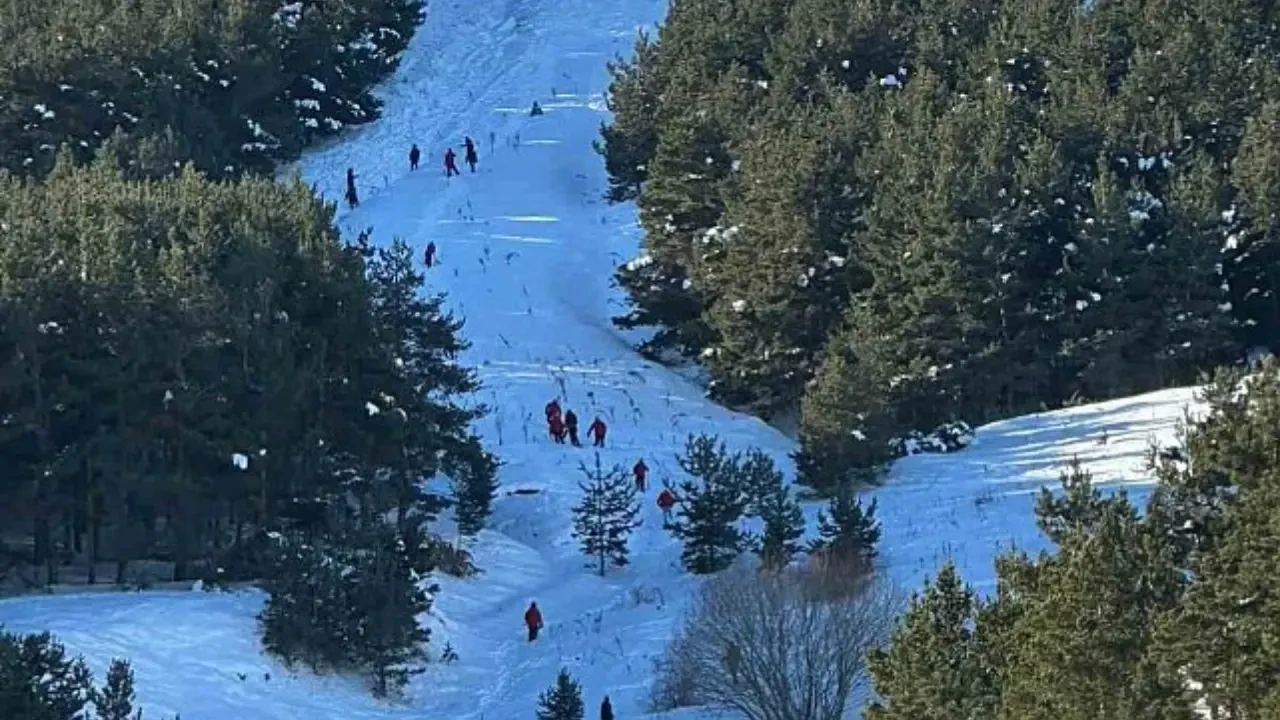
[563, 701]
[606, 516]
[115, 700]
[712, 502]
[934, 669]
[347, 603]
[783, 527]
[38, 680]
[846, 528]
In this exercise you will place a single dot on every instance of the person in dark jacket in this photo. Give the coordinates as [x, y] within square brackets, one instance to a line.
[606, 709]
[537, 109]
[352, 199]
[571, 425]
[450, 163]
[429, 257]
[414, 156]
[533, 620]
[470, 157]
[641, 472]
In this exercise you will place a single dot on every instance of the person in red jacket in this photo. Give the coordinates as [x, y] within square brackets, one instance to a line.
[450, 163]
[641, 471]
[556, 426]
[596, 430]
[666, 501]
[553, 408]
[533, 620]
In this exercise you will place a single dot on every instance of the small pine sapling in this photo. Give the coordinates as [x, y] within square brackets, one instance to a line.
[606, 516]
[846, 528]
[563, 701]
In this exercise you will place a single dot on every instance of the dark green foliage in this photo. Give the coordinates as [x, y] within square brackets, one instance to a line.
[563, 701]
[38, 681]
[189, 364]
[230, 86]
[712, 501]
[348, 602]
[1128, 608]
[783, 528]
[934, 667]
[115, 700]
[606, 516]
[891, 217]
[846, 528]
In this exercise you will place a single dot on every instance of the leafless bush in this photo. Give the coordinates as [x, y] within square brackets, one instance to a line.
[777, 646]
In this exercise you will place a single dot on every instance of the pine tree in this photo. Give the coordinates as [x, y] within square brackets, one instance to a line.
[115, 700]
[783, 528]
[38, 680]
[933, 668]
[711, 504]
[846, 528]
[563, 701]
[391, 599]
[606, 516]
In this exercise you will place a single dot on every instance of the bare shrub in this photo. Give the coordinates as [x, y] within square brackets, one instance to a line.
[777, 646]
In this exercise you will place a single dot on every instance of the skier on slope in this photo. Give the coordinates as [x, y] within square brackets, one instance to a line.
[429, 256]
[571, 425]
[641, 472]
[470, 157]
[596, 431]
[414, 156]
[352, 199]
[666, 501]
[533, 620]
[450, 163]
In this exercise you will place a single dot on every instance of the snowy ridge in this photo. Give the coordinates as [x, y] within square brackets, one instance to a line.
[526, 251]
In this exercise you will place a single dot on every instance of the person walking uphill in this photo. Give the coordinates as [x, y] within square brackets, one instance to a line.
[641, 472]
[666, 501]
[352, 199]
[597, 431]
[414, 156]
[450, 163]
[470, 157]
[533, 620]
[571, 425]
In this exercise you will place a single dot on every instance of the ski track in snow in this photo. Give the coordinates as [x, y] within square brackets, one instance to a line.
[527, 248]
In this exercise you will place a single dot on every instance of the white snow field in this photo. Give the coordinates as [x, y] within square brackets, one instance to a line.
[527, 249]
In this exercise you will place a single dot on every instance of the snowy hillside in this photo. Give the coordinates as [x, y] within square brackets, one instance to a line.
[526, 249]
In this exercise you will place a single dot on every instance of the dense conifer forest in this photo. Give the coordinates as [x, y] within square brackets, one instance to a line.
[880, 217]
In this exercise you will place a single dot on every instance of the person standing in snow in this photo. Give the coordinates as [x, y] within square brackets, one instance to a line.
[429, 256]
[470, 157]
[596, 431]
[352, 199]
[537, 109]
[493, 137]
[571, 425]
[606, 709]
[641, 472]
[414, 156]
[666, 501]
[533, 620]
[556, 426]
[450, 163]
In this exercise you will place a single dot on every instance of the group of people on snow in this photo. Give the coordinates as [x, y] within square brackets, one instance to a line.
[560, 426]
[470, 157]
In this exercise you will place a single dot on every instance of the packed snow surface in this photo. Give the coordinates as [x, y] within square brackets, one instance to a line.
[526, 251]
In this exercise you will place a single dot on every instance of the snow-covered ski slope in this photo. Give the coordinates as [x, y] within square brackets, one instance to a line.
[527, 248]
